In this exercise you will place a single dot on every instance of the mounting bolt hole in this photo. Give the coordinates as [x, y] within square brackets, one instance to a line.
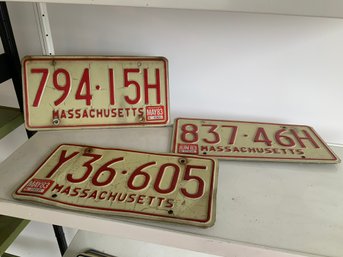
[182, 160]
[88, 150]
[170, 212]
[56, 122]
[54, 196]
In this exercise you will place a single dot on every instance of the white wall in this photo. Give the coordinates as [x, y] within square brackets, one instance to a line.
[226, 65]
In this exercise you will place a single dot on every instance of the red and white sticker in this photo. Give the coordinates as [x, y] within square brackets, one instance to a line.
[155, 113]
[188, 148]
[38, 186]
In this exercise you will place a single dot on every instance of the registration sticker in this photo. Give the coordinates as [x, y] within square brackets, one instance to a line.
[155, 113]
[38, 186]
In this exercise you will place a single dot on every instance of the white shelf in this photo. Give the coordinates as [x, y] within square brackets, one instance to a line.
[122, 247]
[264, 206]
[321, 8]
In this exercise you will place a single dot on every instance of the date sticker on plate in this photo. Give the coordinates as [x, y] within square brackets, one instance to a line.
[65, 92]
[242, 140]
[164, 187]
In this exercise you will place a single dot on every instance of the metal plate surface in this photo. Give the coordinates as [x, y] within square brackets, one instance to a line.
[250, 141]
[65, 92]
[166, 187]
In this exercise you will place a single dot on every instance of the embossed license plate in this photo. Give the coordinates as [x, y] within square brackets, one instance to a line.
[166, 187]
[250, 141]
[62, 92]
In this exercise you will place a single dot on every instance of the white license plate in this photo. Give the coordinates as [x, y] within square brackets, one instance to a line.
[250, 141]
[166, 187]
[62, 92]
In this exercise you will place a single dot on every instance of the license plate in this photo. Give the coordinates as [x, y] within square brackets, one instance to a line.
[250, 141]
[166, 187]
[73, 91]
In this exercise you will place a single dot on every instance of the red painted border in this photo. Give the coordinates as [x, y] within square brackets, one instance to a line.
[63, 58]
[210, 202]
[175, 132]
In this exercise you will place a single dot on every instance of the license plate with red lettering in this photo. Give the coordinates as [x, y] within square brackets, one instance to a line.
[165, 187]
[62, 92]
[250, 141]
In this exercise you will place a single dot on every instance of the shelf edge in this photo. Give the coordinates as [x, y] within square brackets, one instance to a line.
[312, 8]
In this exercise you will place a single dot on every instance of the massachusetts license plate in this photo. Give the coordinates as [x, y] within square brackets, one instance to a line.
[72, 91]
[250, 141]
[166, 187]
